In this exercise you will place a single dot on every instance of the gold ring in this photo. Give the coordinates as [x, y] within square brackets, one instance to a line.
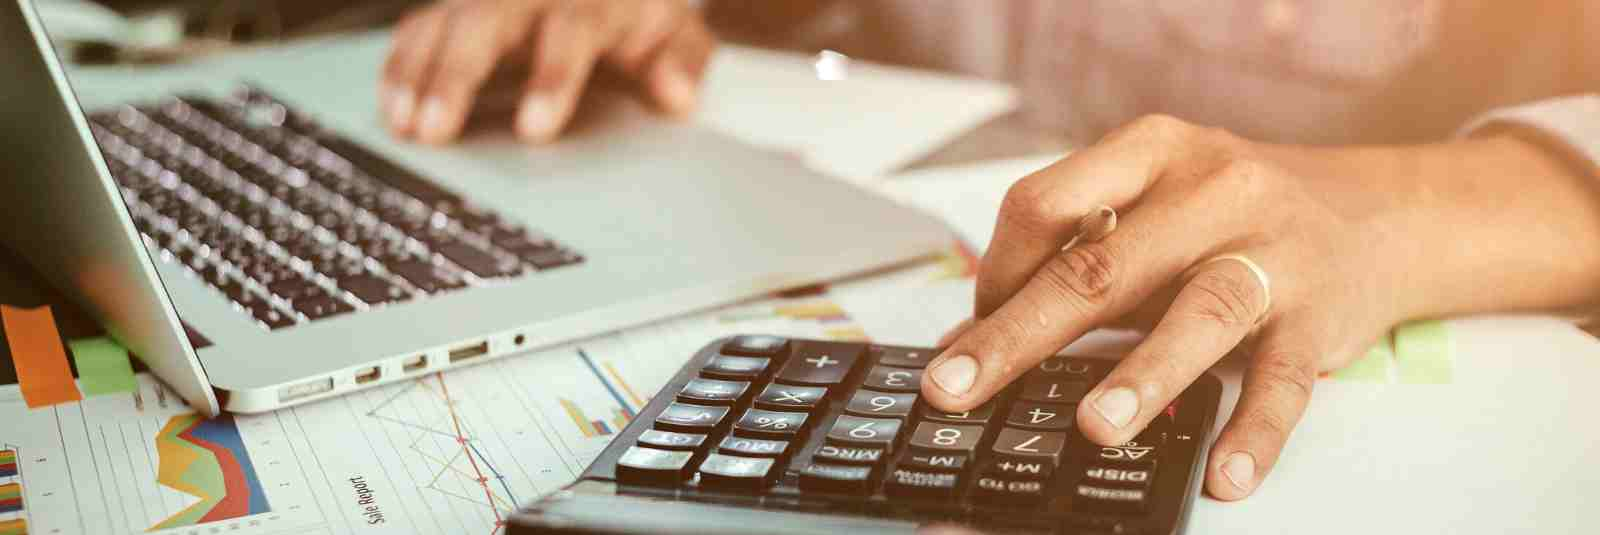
[1255, 269]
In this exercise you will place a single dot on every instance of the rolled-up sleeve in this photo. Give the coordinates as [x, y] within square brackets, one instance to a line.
[1570, 125]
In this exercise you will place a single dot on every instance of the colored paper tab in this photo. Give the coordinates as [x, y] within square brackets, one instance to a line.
[1373, 367]
[10, 498]
[42, 369]
[103, 366]
[1424, 353]
[8, 463]
[14, 527]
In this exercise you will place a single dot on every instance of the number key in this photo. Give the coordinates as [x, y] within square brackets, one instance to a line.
[947, 437]
[1022, 445]
[886, 379]
[758, 423]
[1054, 389]
[870, 432]
[980, 415]
[1042, 416]
[869, 403]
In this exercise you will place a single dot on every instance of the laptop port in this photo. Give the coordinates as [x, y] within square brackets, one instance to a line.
[368, 375]
[308, 388]
[419, 362]
[519, 340]
[469, 352]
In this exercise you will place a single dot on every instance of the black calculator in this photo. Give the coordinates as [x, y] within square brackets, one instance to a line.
[765, 434]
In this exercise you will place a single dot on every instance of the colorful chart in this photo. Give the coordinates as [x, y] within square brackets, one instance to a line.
[628, 401]
[206, 458]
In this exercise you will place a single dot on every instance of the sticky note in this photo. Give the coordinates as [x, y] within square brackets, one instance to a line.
[1371, 367]
[103, 366]
[1424, 353]
[42, 368]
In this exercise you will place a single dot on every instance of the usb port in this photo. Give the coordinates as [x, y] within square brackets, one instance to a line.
[368, 375]
[419, 362]
[309, 388]
[468, 352]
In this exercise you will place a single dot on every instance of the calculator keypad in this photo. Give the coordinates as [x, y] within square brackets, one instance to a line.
[759, 414]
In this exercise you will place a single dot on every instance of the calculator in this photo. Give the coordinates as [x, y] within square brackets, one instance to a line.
[766, 434]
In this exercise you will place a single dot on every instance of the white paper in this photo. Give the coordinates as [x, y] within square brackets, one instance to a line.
[967, 197]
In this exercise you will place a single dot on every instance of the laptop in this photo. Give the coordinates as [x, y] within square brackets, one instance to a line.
[264, 245]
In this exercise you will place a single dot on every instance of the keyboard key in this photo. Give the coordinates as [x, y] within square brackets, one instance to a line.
[887, 379]
[712, 392]
[1042, 416]
[371, 289]
[296, 289]
[1054, 389]
[1066, 367]
[868, 432]
[877, 404]
[727, 471]
[836, 479]
[921, 484]
[820, 366]
[1016, 444]
[1093, 498]
[1008, 491]
[265, 313]
[734, 368]
[849, 454]
[1117, 476]
[479, 262]
[322, 307]
[546, 259]
[1132, 452]
[753, 447]
[979, 416]
[951, 462]
[1017, 469]
[650, 466]
[947, 438]
[426, 276]
[755, 346]
[669, 440]
[791, 398]
[777, 425]
[684, 418]
[904, 357]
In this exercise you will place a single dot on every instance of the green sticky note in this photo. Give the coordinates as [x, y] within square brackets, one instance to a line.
[1372, 367]
[1424, 353]
[103, 366]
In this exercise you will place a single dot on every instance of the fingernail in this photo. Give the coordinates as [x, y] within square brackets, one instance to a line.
[1117, 406]
[402, 105]
[432, 124]
[1240, 469]
[536, 118]
[956, 375]
[677, 90]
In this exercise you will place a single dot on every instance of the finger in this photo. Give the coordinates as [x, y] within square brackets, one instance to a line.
[673, 77]
[1277, 387]
[415, 40]
[1213, 312]
[565, 49]
[1076, 290]
[477, 36]
[951, 335]
[1041, 211]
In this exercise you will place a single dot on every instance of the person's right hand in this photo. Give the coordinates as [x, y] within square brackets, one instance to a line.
[445, 53]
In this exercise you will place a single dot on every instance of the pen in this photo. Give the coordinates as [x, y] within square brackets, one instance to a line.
[1094, 226]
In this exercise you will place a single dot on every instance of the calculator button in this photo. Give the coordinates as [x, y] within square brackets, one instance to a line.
[669, 440]
[651, 466]
[886, 379]
[756, 346]
[1118, 476]
[870, 432]
[791, 398]
[818, 365]
[1017, 469]
[849, 454]
[685, 418]
[728, 471]
[1017, 444]
[1054, 389]
[1008, 491]
[712, 391]
[1093, 498]
[878, 404]
[979, 416]
[904, 357]
[1060, 367]
[1129, 453]
[947, 462]
[753, 447]
[1042, 416]
[947, 438]
[734, 368]
[918, 483]
[776, 425]
[834, 478]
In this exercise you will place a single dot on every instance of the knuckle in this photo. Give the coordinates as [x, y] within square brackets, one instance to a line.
[1154, 128]
[1086, 272]
[1285, 379]
[1027, 206]
[1268, 425]
[1225, 299]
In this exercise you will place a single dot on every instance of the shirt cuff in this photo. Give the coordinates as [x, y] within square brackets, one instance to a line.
[1570, 125]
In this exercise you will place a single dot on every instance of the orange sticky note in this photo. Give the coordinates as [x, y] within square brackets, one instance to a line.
[42, 369]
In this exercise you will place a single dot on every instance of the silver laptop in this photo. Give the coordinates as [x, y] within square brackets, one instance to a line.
[266, 245]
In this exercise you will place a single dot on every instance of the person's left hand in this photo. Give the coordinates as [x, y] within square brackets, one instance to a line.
[1350, 241]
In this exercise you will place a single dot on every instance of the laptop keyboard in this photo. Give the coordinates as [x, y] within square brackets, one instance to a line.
[295, 224]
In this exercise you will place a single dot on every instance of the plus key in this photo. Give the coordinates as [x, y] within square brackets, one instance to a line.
[820, 364]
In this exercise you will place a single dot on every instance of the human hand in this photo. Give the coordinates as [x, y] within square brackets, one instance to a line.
[445, 53]
[1352, 240]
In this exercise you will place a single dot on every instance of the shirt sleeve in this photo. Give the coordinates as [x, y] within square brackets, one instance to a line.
[1570, 125]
